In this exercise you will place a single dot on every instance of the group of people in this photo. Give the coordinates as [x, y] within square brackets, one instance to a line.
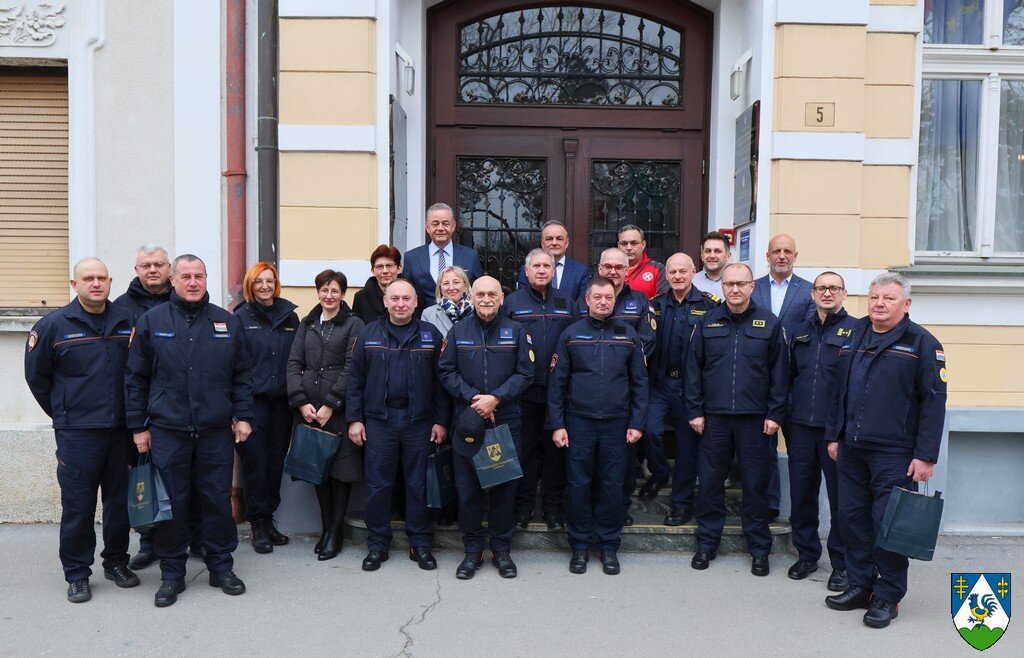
[584, 370]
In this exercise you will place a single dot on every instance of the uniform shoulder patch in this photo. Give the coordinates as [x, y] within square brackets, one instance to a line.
[943, 375]
[444, 345]
[554, 362]
[532, 357]
[715, 298]
[940, 355]
[33, 340]
[131, 338]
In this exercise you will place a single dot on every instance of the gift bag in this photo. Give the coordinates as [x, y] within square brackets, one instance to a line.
[440, 477]
[911, 523]
[497, 461]
[311, 453]
[149, 502]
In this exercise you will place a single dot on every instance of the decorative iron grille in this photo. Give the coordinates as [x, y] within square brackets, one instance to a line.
[570, 55]
[501, 206]
[644, 193]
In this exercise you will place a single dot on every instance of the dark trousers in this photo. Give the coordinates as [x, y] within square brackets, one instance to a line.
[724, 435]
[263, 456]
[386, 440]
[194, 512]
[501, 502]
[87, 461]
[866, 479]
[205, 458]
[596, 460]
[667, 403]
[542, 461]
[774, 483]
[808, 461]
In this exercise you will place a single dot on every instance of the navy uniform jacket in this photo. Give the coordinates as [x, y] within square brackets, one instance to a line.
[75, 373]
[188, 377]
[814, 355]
[545, 320]
[376, 353]
[598, 372]
[738, 365]
[268, 332]
[137, 300]
[903, 404]
[633, 308]
[495, 358]
[573, 282]
[688, 314]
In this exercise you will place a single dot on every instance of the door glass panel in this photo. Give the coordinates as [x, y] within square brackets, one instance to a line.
[570, 56]
[641, 192]
[501, 205]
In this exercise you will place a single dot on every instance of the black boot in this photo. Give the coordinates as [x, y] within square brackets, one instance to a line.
[259, 539]
[324, 498]
[277, 538]
[335, 534]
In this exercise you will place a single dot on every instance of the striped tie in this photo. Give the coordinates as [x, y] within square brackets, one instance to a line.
[440, 262]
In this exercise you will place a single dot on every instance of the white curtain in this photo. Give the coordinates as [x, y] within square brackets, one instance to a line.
[1010, 191]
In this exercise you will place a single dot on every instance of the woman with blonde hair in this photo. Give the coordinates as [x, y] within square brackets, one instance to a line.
[452, 294]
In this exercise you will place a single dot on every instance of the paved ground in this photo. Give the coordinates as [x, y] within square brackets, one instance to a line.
[658, 605]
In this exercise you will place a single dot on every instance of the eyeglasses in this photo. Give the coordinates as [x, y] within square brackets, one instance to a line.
[381, 267]
[614, 268]
[735, 284]
[835, 290]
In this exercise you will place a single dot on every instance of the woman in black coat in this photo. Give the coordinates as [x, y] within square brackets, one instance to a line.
[317, 374]
[386, 265]
[269, 326]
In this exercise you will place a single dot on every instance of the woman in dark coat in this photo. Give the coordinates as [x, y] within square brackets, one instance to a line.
[269, 325]
[317, 373]
[386, 265]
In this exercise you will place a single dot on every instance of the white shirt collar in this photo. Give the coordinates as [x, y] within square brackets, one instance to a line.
[434, 249]
[785, 282]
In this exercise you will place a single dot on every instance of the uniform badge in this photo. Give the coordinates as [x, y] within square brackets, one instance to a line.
[940, 356]
[554, 362]
[505, 333]
[943, 375]
[529, 341]
[444, 344]
[980, 606]
[131, 338]
[844, 332]
[33, 340]
[220, 327]
[494, 452]
[654, 324]
[532, 359]
[759, 323]
[425, 336]
[647, 276]
[697, 311]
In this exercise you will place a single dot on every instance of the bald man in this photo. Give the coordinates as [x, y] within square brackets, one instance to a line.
[74, 365]
[486, 364]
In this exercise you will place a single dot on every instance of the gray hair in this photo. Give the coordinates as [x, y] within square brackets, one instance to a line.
[534, 252]
[439, 206]
[611, 250]
[150, 248]
[630, 227]
[185, 258]
[553, 222]
[885, 278]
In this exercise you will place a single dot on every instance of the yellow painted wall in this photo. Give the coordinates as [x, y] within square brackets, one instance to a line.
[984, 364]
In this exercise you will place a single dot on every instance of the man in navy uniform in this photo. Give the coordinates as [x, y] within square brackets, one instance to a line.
[424, 263]
[676, 313]
[597, 403]
[886, 429]
[74, 366]
[545, 312]
[395, 405]
[814, 353]
[736, 388]
[188, 397]
[486, 365]
[570, 276]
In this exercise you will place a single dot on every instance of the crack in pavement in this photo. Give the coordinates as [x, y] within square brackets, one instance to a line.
[412, 621]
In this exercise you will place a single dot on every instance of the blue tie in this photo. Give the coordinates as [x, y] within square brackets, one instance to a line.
[440, 262]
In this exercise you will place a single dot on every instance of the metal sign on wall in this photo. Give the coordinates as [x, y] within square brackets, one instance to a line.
[745, 174]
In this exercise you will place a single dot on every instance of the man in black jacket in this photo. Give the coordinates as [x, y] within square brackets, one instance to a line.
[188, 397]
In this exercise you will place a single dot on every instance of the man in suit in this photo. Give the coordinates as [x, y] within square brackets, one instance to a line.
[570, 276]
[423, 263]
[789, 298]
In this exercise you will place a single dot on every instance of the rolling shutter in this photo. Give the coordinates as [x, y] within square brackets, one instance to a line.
[33, 191]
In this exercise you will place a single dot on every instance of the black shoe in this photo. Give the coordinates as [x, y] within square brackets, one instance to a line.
[679, 516]
[650, 489]
[503, 561]
[469, 565]
[121, 575]
[801, 569]
[168, 592]
[578, 561]
[702, 559]
[851, 599]
[196, 549]
[881, 613]
[373, 560]
[228, 582]
[523, 519]
[759, 565]
[554, 520]
[609, 561]
[259, 539]
[838, 581]
[141, 560]
[332, 545]
[772, 515]
[275, 535]
[78, 591]
[422, 556]
[629, 520]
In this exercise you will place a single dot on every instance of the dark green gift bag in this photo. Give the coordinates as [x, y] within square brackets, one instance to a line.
[148, 500]
[911, 524]
[440, 477]
[497, 461]
[311, 453]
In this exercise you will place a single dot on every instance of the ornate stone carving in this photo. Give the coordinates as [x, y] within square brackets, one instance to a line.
[31, 23]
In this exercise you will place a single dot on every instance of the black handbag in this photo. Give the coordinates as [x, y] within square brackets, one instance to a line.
[911, 524]
[149, 502]
[311, 453]
[497, 461]
[440, 477]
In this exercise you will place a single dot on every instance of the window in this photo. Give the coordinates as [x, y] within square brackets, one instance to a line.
[970, 177]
